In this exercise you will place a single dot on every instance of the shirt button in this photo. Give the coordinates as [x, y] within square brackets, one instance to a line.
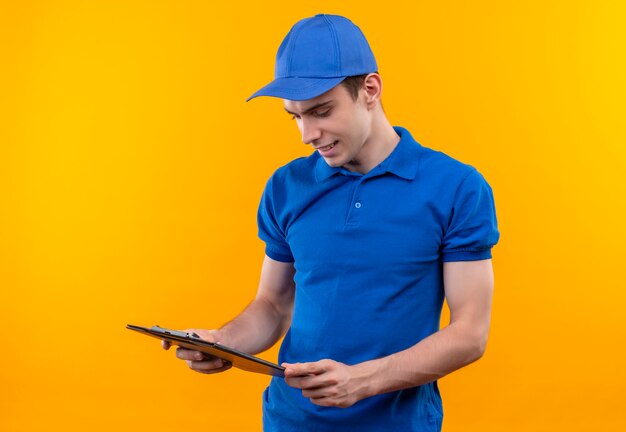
[357, 204]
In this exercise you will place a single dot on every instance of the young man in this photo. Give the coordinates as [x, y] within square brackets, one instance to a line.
[363, 240]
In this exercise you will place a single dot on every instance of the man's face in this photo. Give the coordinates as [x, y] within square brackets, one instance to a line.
[336, 125]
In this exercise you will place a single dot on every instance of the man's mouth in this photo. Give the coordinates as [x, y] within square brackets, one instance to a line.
[328, 147]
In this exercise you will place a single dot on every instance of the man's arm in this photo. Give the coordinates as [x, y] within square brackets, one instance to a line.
[258, 326]
[469, 289]
[268, 316]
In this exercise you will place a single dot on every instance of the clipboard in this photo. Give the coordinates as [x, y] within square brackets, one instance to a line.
[192, 341]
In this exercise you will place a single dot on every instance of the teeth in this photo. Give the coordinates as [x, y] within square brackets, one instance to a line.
[328, 147]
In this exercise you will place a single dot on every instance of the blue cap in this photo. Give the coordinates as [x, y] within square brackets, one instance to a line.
[317, 54]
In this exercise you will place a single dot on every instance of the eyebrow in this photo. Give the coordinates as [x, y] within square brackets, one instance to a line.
[313, 108]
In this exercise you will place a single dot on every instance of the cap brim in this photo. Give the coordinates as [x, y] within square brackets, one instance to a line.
[297, 89]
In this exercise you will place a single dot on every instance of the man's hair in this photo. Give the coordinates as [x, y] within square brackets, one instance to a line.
[353, 84]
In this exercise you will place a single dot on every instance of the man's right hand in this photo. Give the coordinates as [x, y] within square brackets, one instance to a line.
[198, 361]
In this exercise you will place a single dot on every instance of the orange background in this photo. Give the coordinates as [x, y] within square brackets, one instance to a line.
[131, 169]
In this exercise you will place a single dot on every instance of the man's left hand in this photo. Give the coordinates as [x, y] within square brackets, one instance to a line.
[328, 383]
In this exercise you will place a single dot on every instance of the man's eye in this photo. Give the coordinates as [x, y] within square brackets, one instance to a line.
[322, 113]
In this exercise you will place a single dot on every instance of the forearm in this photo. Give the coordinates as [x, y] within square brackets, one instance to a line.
[469, 287]
[257, 327]
[267, 317]
[443, 352]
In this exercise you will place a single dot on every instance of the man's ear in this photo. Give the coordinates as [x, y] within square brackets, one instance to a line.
[373, 86]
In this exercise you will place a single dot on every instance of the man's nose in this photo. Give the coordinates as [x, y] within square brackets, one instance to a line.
[310, 131]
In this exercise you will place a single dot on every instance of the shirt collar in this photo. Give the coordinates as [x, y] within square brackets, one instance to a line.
[402, 161]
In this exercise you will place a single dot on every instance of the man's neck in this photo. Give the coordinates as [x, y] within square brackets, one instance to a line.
[382, 141]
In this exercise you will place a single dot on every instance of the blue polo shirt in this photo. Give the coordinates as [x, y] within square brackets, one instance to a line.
[368, 253]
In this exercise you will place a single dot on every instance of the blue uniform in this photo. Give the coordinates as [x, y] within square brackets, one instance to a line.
[368, 253]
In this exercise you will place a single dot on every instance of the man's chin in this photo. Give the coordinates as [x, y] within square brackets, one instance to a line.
[333, 162]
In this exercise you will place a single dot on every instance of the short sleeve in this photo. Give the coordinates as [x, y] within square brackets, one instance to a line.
[473, 227]
[270, 232]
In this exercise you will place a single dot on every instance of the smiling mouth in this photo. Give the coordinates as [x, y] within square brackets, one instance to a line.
[328, 147]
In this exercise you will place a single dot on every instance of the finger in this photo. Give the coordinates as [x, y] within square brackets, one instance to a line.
[209, 366]
[227, 365]
[165, 345]
[303, 369]
[329, 402]
[187, 354]
[320, 392]
[316, 393]
[310, 382]
[205, 365]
